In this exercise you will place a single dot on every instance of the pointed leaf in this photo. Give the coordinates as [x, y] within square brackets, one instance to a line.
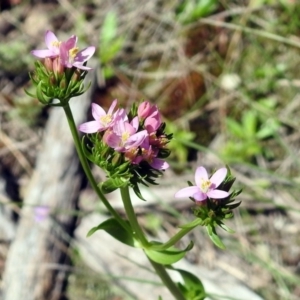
[137, 191]
[193, 286]
[168, 257]
[214, 237]
[112, 227]
[223, 226]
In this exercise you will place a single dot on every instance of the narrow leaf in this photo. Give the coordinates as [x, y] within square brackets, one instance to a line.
[214, 237]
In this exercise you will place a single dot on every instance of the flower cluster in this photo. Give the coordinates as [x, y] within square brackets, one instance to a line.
[136, 142]
[62, 68]
[60, 55]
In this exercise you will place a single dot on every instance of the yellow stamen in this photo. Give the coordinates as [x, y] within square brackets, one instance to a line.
[205, 185]
[73, 52]
[125, 136]
[106, 119]
[56, 44]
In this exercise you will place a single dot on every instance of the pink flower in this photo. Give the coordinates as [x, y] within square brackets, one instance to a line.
[153, 122]
[102, 121]
[72, 57]
[41, 213]
[205, 187]
[124, 135]
[53, 46]
[144, 110]
[150, 156]
[69, 54]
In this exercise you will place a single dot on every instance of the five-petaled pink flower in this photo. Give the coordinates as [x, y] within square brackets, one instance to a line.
[102, 121]
[149, 154]
[124, 135]
[53, 45]
[71, 56]
[205, 187]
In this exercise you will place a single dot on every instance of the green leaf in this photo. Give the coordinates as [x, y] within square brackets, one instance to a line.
[109, 28]
[249, 121]
[137, 191]
[235, 128]
[193, 288]
[214, 237]
[169, 256]
[112, 227]
[223, 226]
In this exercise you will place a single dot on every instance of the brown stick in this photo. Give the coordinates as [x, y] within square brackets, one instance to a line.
[55, 183]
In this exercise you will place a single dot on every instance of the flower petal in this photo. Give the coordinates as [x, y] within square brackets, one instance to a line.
[218, 177]
[90, 127]
[43, 53]
[85, 54]
[200, 196]
[51, 41]
[80, 66]
[199, 174]
[187, 192]
[71, 42]
[97, 112]
[136, 139]
[112, 140]
[64, 55]
[217, 194]
[112, 107]
[135, 123]
[159, 164]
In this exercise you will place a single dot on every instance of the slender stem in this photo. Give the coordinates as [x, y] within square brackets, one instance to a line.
[137, 230]
[172, 241]
[87, 170]
[160, 269]
[166, 279]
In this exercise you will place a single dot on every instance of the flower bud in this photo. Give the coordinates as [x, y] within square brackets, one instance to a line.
[58, 67]
[76, 75]
[144, 110]
[48, 63]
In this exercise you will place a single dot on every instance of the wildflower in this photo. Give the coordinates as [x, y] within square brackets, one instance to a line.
[149, 154]
[153, 120]
[53, 46]
[41, 213]
[72, 57]
[124, 135]
[102, 121]
[69, 54]
[144, 110]
[205, 187]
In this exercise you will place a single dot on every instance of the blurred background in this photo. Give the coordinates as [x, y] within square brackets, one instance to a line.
[225, 75]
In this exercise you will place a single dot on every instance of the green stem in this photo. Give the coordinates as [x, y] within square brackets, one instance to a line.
[166, 279]
[87, 169]
[137, 230]
[172, 241]
[160, 269]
